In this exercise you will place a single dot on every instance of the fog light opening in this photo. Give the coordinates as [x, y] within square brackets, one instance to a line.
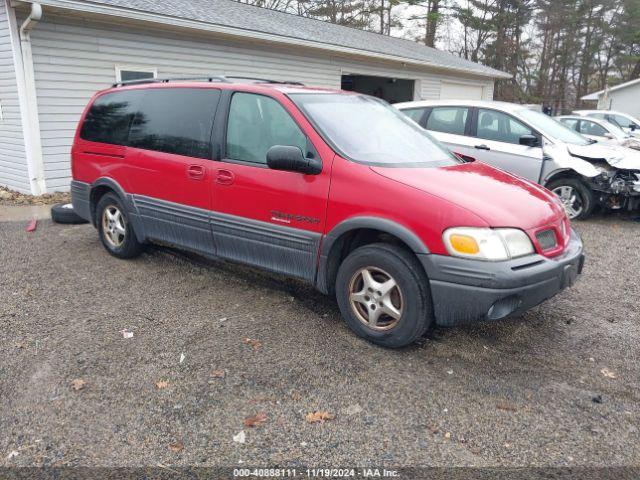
[504, 307]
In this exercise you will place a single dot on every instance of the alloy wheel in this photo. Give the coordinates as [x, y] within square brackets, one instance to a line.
[571, 200]
[114, 226]
[375, 298]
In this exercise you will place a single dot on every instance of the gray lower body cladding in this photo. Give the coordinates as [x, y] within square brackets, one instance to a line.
[466, 291]
[280, 249]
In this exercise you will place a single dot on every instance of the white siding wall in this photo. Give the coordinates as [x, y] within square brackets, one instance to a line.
[626, 100]
[74, 58]
[13, 164]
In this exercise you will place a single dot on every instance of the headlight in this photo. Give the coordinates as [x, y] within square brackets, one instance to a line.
[487, 243]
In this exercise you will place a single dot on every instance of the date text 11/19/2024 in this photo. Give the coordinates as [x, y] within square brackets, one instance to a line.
[315, 473]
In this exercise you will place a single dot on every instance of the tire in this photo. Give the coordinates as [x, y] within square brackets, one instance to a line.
[64, 213]
[584, 197]
[410, 298]
[119, 239]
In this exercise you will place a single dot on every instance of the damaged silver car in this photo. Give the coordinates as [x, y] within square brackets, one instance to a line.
[583, 173]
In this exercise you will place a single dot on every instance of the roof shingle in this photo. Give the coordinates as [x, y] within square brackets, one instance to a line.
[231, 14]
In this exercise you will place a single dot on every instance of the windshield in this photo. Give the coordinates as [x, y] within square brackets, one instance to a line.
[551, 127]
[368, 130]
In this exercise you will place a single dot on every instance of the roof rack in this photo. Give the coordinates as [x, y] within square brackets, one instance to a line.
[210, 78]
[264, 80]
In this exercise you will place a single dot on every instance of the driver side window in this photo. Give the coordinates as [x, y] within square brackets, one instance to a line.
[592, 128]
[500, 127]
[621, 121]
[257, 123]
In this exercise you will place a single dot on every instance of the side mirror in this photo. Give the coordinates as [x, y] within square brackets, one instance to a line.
[291, 159]
[465, 158]
[609, 136]
[529, 141]
[633, 127]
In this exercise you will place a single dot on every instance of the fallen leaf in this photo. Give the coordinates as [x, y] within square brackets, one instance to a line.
[20, 345]
[447, 435]
[319, 416]
[217, 374]
[78, 384]
[506, 406]
[162, 384]
[254, 343]
[433, 429]
[255, 421]
[608, 373]
[176, 447]
[182, 357]
[239, 437]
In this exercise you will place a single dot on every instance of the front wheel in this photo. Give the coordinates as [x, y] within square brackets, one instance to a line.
[383, 295]
[577, 198]
[114, 228]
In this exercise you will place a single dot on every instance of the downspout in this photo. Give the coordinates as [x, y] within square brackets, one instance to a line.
[33, 141]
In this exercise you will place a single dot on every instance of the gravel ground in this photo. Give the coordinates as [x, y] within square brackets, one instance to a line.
[558, 386]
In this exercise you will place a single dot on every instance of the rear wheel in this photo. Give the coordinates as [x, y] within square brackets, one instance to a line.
[114, 228]
[577, 198]
[383, 295]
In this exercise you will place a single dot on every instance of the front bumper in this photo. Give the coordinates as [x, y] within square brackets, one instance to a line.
[466, 291]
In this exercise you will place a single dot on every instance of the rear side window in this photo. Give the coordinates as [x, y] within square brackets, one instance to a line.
[572, 123]
[448, 120]
[110, 116]
[257, 123]
[500, 127]
[414, 114]
[176, 120]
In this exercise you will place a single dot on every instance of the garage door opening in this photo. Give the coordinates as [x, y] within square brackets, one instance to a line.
[393, 90]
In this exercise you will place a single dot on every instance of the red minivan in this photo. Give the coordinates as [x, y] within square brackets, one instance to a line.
[335, 188]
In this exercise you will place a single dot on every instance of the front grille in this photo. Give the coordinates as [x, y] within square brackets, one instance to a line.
[547, 239]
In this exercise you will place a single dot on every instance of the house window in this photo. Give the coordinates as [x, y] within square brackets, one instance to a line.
[128, 73]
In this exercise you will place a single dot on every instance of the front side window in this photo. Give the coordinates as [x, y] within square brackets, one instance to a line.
[110, 116]
[176, 120]
[500, 127]
[448, 120]
[622, 122]
[257, 123]
[592, 128]
[368, 130]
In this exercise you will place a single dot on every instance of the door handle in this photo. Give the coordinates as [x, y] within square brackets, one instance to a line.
[225, 177]
[482, 147]
[196, 172]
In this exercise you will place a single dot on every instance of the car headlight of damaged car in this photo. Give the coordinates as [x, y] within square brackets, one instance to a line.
[487, 244]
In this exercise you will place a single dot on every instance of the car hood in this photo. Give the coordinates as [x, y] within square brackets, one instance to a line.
[499, 198]
[615, 155]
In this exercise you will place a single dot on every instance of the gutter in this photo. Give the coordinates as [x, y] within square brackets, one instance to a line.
[25, 80]
[121, 12]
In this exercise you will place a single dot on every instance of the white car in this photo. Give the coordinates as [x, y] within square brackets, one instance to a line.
[530, 144]
[600, 130]
[625, 121]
